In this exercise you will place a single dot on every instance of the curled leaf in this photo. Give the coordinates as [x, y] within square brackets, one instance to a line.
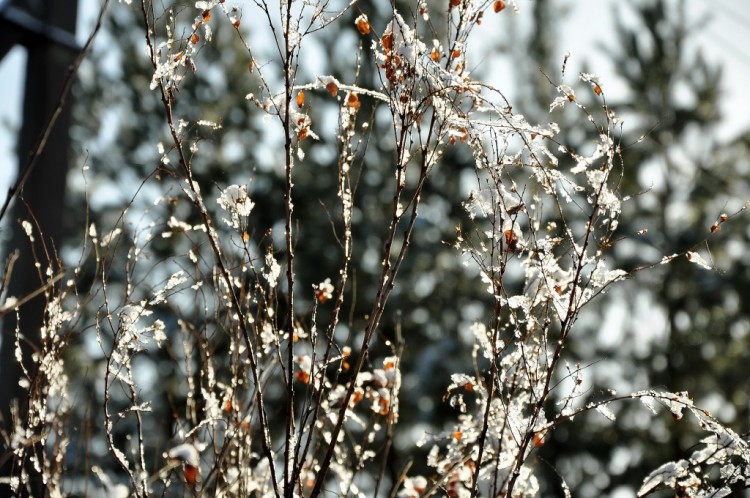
[511, 241]
[387, 42]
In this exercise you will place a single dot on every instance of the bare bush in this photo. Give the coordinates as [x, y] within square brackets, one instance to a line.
[283, 396]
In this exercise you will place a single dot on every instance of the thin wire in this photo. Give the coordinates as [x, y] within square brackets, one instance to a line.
[735, 15]
[732, 50]
[741, 19]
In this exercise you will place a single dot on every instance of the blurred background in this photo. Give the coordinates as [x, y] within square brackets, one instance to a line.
[676, 71]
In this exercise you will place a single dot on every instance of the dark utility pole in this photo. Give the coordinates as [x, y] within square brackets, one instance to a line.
[46, 28]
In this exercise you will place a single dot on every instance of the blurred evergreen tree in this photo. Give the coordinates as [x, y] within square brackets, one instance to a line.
[677, 326]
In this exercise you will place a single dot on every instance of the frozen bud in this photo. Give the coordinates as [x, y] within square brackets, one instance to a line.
[185, 453]
[323, 291]
[234, 199]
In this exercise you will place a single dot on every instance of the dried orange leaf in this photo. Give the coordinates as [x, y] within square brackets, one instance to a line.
[320, 295]
[384, 406]
[435, 55]
[236, 24]
[302, 134]
[456, 54]
[363, 26]
[206, 15]
[511, 240]
[598, 90]
[387, 41]
[498, 6]
[191, 475]
[300, 98]
[332, 88]
[194, 39]
[353, 101]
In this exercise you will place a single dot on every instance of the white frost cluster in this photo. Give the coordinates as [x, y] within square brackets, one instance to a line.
[405, 41]
[272, 270]
[134, 337]
[236, 202]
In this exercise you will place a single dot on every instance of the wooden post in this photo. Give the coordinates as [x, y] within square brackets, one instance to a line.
[42, 26]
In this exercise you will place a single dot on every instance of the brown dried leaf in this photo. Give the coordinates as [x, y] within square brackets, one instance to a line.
[362, 25]
[387, 41]
[332, 88]
[353, 101]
